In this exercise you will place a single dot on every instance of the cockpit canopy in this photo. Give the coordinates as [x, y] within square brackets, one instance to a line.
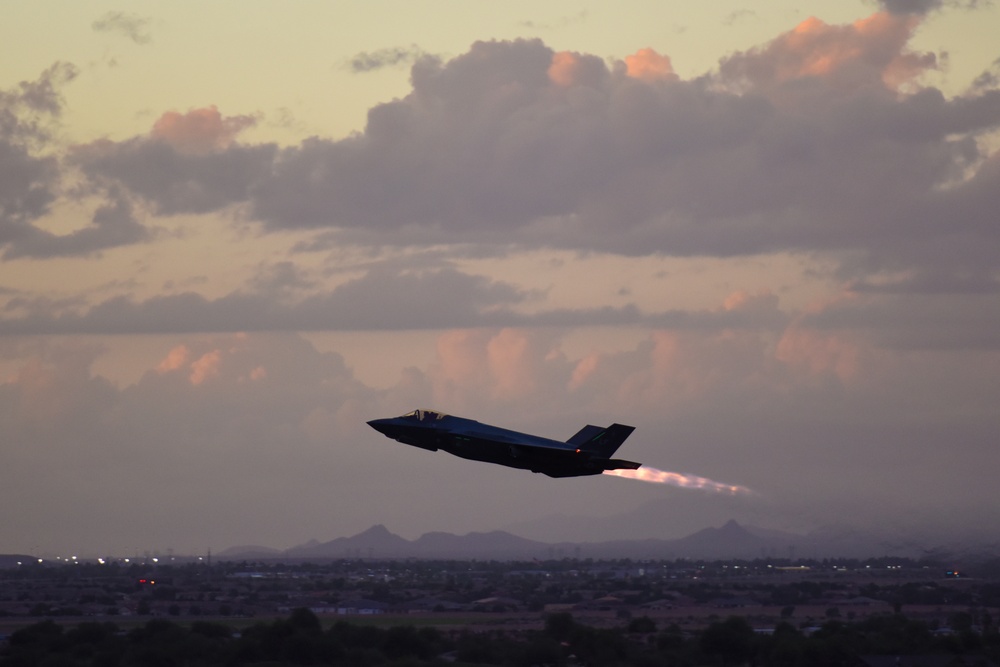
[424, 415]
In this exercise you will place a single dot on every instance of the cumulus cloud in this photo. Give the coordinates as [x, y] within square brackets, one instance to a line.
[569, 69]
[188, 164]
[506, 366]
[821, 140]
[128, 24]
[868, 52]
[205, 367]
[648, 65]
[564, 150]
[588, 156]
[199, 130]
[176, 359]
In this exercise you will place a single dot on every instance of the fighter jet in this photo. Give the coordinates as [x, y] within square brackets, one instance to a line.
[586, 453]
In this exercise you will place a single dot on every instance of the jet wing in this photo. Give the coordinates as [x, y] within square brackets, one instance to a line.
[517, 440]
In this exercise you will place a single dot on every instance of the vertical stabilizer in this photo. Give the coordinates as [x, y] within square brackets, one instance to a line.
[585, 434]
[601, 441]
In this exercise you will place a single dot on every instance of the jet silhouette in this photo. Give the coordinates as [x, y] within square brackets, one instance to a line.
[586, 453]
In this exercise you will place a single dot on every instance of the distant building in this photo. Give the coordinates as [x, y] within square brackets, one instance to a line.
[361, 607]
[427, 604]
[496, 603]
[734, 603]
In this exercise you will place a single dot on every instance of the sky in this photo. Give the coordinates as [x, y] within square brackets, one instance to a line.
[765, 236]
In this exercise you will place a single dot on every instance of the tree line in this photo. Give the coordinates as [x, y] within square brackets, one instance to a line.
[301, 639]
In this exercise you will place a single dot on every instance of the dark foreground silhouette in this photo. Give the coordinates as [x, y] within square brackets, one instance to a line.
[302, 639]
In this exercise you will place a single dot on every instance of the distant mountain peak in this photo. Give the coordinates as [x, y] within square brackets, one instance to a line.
[378, 530]
[730, 538]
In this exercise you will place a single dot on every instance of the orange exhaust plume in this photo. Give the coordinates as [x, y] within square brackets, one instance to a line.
[654, 476]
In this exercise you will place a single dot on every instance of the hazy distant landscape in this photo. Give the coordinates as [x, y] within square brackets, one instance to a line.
[729, 541]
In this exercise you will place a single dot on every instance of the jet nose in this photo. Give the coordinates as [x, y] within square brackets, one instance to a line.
[383, 426]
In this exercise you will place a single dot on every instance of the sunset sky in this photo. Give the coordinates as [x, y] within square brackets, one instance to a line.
[768, 237]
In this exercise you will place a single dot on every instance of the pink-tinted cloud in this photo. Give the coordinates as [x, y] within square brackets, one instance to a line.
[820, 353]
[482, 368]
[582, 371]
[870, 51]
[199, 131]
[37, 383]
[205, 367]
[648, 65]
[575, 69]
[51, 391]
[837, 352]
[475, 368]
[461, 366]
[176, 359]
[514, 363]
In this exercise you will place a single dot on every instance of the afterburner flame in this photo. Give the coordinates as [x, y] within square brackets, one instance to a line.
[654, 476]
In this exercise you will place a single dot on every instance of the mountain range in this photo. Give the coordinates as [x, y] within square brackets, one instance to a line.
[731, 540]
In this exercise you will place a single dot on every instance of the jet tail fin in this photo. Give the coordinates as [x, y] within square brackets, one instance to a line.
[601, 441]
[585, 434]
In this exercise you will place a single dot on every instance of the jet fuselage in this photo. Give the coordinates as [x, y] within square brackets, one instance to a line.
[586, 453]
